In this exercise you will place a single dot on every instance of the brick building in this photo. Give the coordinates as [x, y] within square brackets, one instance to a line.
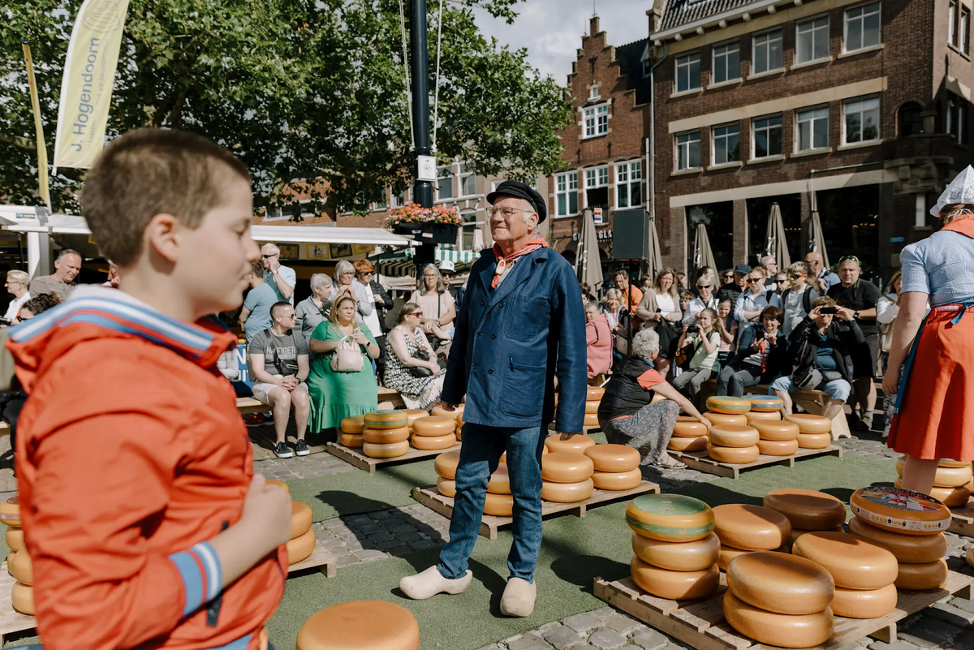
[856, 109]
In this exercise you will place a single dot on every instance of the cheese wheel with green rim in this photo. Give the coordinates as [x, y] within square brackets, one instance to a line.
[391, 450]
[726, 436]
[733, 455]
[592, 407]
[594, 393]
[765, 403]
[281, 484]
[577, 444]
[762, 416]
[808, 423]
[22, 598]
[721, 419]
[752, 528]
[385, 436]
[778, 447]
[776, 430]
[613, 458]
[371, 624]
[446, 487]
[727, 404]
[591, 420]
[21, 568]
[780, 583]
[688, 444]
[351, 440]
[697, 555]
[948, 477]
[301, 518]
[567, 492]
[814, 440]
[675, 585]
[500, 480]
[854, 562]
[386, 419]
[498, 505]
[670, 517]
[10, 512]
[432, 443]
[687, 427]
[566, 467]
[15, 539]
[782, 630]
[900, 511]
[446, 464]
[617, 480]
[911, 549]
[797, 532]
[864, 603]
[807, 509]
[917, 577]
[434, 425]
[414, 414]
[728, 553]
[300, 548]
[353, 424]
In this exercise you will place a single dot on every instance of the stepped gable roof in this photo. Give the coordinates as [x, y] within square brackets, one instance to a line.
[630, 59]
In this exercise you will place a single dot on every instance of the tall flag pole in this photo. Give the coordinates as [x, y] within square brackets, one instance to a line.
[42, 179]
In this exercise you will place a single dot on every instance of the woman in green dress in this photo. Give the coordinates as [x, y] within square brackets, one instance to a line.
[337, 395]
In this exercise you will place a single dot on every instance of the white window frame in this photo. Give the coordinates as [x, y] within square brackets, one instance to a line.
[952, 20]
[441, 177]
[686, 61]
[956, 119]
[811, 121]
[767, 45]
[859, 100]
[726, 136]
[276, 212]
[679, 147]
[964, 37]
[468, 226]
[464, 175]
[596, 177]
[736, 71]
[646, 62]
[798, 32]
[627, 174]
[874, 9]
[595, 120]
[566, 184]
[769, 128]
[593, 92]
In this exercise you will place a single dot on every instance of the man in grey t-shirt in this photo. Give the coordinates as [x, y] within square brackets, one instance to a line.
[67, 266]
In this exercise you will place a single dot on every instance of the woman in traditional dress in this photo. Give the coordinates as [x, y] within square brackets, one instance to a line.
[934, 416]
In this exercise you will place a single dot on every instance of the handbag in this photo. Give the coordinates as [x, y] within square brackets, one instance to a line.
[685, 355]
[419, 371]
[347, 356]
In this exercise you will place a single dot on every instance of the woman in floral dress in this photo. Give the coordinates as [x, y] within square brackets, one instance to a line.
[404, 343]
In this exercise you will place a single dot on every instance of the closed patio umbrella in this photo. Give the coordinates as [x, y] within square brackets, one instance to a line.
[588, 263]
[775, 243]
[702, 253]
[816, 242]
[654, 264]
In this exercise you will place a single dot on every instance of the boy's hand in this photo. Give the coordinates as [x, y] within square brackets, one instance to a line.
[267, 513]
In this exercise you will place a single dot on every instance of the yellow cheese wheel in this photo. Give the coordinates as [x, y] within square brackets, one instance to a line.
[900, 462]
[21, 568]
[780, 583]
[386, 419]
[778, 447]
[567, 492]
[763, 416]
[446, 464]
[613, 458]
[498, 505]
[814, 440]
[733, 455]
[446, 487]
[301, 548]
[687, 427]
[952, 497]
[22, 598]
[900, 511]
[576, 444]
[670, 517]
[434, 425]
[10, 512]
[949, 462]
[949, 477]
[459, 430]
[917, 577]
[591, 420]
[807, 509]
[854, 562]
[776, 429]
[726, 436]
[675, 585]
[10, 557]
[15, 539]
[544, 450]
[566, 467]
[591, 407]
[280, 484]
[414, 414]
[500, 481]
[688, 444]
[697, 555]
[353, 424]
[442, 412]
[797, 532]
[734, 420]
[728, 553]
[864, 603]
[385, 436]
[352, 440]
[392, 450]
[372, 624]
[727, 404]
[782, 630]
[969, 556]
[912, 549]
[434, 442]
[765, 403]
[617, 480]
[301, 518]
[808, 423]
[751, 528]
[594, 393]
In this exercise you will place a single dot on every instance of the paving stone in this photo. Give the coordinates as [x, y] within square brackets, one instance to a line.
[529, 641]
[421, 544]
[935, 629]
[369, 554]
[346, 560]
[562, 637]
[584, 646]
[582, 622]
[380, 515]
[950, 614]
[411, 537]
[919, 641]
[369, 528]
[606, 639]
[353, 545]
[649, 639]
[895, 645]
[381, 536]
[398, 551]
[624, 625]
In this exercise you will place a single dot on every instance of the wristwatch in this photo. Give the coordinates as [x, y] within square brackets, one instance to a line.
[855, 315]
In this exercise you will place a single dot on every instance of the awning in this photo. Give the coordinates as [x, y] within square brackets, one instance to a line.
[451, 254]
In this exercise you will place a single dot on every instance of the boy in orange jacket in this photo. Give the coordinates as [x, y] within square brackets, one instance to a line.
[143, 518]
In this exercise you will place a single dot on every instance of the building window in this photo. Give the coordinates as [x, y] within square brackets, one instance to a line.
[727, 144]
[688, 151]
[566, 194]
[812, 38]
[646, 62]
[688, 72]
[596, 177]
[401, 198]
[444, 186]
[468, 181]
[629, 184]
[766, 133]
[467, 230]
[952, 23]
[813, 129]
[911, 120]
[860, 120]
[766, 52]
[861, 27]
[593, 92]
[596, 120]
[965, 30]
[957, 119]
[727, 62]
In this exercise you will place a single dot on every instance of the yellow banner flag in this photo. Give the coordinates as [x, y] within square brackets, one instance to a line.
[42, 180]
[89, 77]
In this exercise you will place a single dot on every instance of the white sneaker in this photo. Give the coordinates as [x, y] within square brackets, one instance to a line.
[518, 599]
[429, 583]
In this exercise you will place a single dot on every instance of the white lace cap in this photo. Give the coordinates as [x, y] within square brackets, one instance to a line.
[960, 190]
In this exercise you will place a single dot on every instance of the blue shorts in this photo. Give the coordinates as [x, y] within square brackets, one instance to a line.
[838, 389]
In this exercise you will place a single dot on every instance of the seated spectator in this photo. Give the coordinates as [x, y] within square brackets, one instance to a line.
[345, 285]
[37, 305]
[681, 281]
[598, 339]
[704, 300]
[770, 266]
[822, 351]
[364, 272]
[686, 297]
[737, 284]
[631, 294]
[761, 354]
[727, 328]
[278, 360]
[750, 304]
[439, 309]
[627, 413]
[256, 313]
[410, 365]
[797, 299]
[314, 309]
[619, 322]
[16, 286]
[705, 346]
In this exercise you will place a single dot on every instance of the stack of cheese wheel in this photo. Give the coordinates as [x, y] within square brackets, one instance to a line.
[412, 415]
[499, 501]
[744, 529]
[779, 600]
[386, 434]
[302, 542]
[864, 572]
[733, 444]
[949, 486]
[807, 510]
[566, 477]
[352, 428]
[456, 414]
[909, 525]
[446, 472]
[689, 434]
[675, 547]
[577, 444]
[778, 437]
[18, 561]
[434, 432]
[592, 400]
[616, 467]
[815, 431]
[728, 405]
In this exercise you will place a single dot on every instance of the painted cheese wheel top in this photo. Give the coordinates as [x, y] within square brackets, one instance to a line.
[901, 511]
[670, 517]
[10, 512]
[353, 424]
[807, 509]
[781, 583]
[765, 402]
[854, 562]
[613, 458]
[726, 404]
[808, 423]
[386, 419]
[752, 528]
[373, 624]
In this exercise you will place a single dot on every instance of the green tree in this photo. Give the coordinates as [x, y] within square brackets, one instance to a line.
[299, 89]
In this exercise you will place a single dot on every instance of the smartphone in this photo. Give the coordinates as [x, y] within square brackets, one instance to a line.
[828, 310]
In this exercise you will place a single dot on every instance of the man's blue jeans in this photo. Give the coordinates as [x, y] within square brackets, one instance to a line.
[479, 457]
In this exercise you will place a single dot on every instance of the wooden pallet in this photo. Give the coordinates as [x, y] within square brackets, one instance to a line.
[963, 519]
[363, 462]
[321, 559]
[700, 461]
[701, 624]
[489, 525]
[11, 620]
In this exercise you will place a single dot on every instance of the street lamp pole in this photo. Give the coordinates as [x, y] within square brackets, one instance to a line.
[425, 164]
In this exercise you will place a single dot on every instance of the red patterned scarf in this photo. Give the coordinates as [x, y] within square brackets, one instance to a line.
[504, 264]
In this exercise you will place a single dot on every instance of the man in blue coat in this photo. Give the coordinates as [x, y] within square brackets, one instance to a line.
[521, 325]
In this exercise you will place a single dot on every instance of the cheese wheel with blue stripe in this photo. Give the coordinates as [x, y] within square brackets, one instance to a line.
[688, 444]
[726, 436]
[733, 455]
[947, 462]
[567, 492]
[751, 528]
[498, 505]
[762, 416]
[782, 630]
[900, 511]
[687, 427]
[776, 429]
[727, 404]
[301, 548]
[670, 517]
[446, 487]
[432, 443]
[434, 425]
[765, 402]
[778, 447]
[814, 440]
[386, 436]
[720, 419]
[808, 423]
[912, 577]
[566, 467]
[577, 444]
[353, 424]
[697, 555]
[675, 585]
[617, 480]
[390, 450]
[613, 458]
[386, 419]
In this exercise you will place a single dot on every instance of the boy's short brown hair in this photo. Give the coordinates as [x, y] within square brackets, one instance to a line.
[148, 172]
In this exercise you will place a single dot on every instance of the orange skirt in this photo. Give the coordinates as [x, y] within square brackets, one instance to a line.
[936, 410]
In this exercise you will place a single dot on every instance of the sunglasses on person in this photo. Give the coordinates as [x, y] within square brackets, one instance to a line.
[782, 280]
[415, 313]
[753, 280]
[729, 277]
[704, 286]
[849, 258]
[795, 276]
[267, 257]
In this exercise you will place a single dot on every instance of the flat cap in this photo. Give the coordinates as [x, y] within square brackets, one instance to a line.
[521, 191]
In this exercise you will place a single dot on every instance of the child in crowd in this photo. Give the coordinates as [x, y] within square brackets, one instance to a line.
[703, 350]
[143, 519]
[727, 328]
[685, 298]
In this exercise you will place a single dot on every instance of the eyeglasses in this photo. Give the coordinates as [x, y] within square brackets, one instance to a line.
[795, 276]
[369, 273]
[753, 280]
[507, 213]
[703, 286]
[729, 276]
[415, 313]
[267, 257]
